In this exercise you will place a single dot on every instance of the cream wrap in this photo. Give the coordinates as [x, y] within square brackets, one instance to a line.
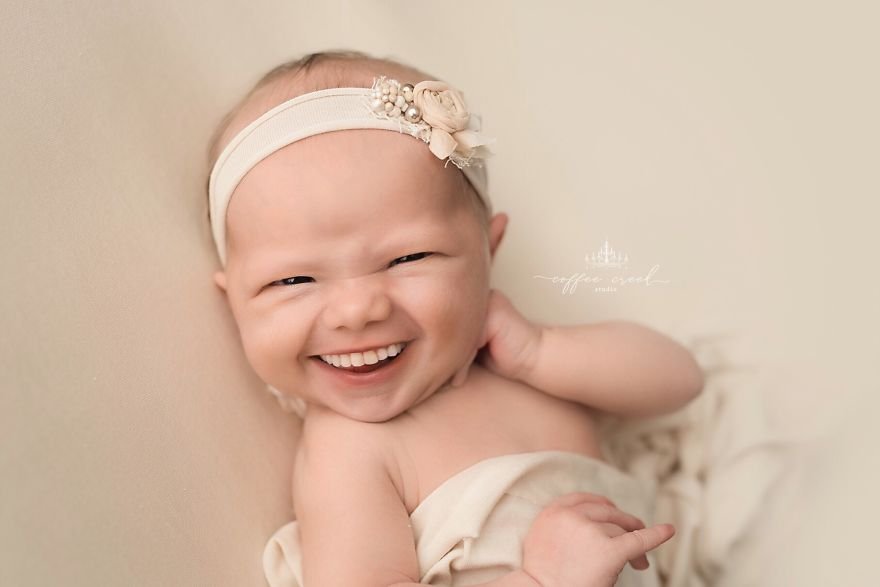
[470, 529]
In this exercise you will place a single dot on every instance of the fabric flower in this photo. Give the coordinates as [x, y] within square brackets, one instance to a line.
[441, 106]
[440, 117]
[453, 129]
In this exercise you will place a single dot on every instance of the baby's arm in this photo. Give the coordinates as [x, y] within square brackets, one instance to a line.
[354, 527]
[615, 366]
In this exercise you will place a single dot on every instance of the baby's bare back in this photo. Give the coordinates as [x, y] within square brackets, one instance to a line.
[488, 416]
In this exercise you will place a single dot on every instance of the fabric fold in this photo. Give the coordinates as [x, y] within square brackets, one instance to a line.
[715, 465]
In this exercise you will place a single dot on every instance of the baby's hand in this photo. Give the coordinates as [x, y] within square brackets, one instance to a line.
[511, 342]
[583, 539]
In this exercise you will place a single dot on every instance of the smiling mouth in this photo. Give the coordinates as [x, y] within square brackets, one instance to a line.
[365, 362]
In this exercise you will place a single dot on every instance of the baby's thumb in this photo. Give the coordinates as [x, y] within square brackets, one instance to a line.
[638, 542]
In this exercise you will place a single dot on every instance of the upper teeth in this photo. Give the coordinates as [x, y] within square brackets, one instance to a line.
[370, 357]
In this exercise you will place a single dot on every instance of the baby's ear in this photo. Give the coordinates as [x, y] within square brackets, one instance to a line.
[497, 225]
[220, 280]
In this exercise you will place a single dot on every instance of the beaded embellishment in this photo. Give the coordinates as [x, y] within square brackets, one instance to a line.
[435, 113]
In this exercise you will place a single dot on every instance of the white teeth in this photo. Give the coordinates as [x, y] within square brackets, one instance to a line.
[370, 357]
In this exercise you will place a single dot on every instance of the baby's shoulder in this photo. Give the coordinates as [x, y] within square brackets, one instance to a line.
[326, 434]
[335, 449]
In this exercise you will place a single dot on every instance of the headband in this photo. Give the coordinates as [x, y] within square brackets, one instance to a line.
[431, 111]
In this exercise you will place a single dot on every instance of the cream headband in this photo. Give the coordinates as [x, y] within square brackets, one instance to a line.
[431, 111]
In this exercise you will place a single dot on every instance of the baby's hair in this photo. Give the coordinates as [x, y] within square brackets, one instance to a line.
[310, 73]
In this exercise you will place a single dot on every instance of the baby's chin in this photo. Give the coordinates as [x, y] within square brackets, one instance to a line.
[368, 414]
[377, 409]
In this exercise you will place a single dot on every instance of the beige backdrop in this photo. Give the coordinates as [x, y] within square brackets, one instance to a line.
[734, 146]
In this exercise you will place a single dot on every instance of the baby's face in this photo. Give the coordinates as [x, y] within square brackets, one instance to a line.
[354, 241]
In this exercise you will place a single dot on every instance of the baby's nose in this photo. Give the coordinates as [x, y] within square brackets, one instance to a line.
[355, 303]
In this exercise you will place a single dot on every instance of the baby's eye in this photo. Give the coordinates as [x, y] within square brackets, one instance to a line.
[406, 258]
[293, 280]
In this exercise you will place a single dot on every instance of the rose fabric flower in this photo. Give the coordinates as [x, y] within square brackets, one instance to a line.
[441, 106]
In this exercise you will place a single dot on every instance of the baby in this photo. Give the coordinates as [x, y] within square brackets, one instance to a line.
[356, 264]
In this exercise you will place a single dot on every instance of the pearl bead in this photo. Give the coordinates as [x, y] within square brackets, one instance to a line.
[413, 114]
[408, 88]
[400, 102]
[395, 112]
[388, 106]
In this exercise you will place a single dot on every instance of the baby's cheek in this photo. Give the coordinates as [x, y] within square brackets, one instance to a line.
[257, 350]
[460, 313]
[477, 317]
[271, 349]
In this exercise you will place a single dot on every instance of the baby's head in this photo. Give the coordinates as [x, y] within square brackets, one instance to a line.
[351, 245]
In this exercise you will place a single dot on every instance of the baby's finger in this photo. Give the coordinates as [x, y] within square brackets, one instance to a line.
[638, 542]
[576, 497]
[640, 563]
[602, 512]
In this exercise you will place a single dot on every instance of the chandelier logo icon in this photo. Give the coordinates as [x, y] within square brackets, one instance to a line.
[602, 261]
[606, 257]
